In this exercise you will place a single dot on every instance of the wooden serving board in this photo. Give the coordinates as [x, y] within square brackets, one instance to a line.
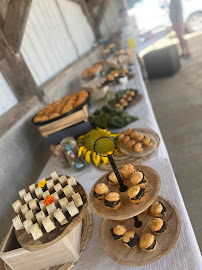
[127, 209]
[148, 150]
[121, 158]
[117, 250]
[48, 239]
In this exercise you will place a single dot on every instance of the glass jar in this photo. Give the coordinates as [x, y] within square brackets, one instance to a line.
[70, 150]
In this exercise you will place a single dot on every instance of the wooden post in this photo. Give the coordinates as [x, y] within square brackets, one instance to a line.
[100, 13]
[15, 21]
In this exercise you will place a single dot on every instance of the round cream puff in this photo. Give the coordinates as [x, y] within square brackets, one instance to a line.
[136, 194]
[147, 242]
[100, 191]
[131, 144]
[127, 170]
[138, 147]
[112, 201]
[112, 180]
[147, 141]
[126, 139]
[157, 225]
[138, 178]
[118, 232]
[140, 137]
[157, 209]
[120, 137]
[134, 135]
[131, 239]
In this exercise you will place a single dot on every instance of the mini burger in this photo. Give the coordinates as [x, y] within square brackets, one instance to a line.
[112, 201]
[118, 232]
[100, 191]
[138, 178]
[158, 209]
[147, 242]
[131, 239]
[157, 225]
[136, 194]
[127, 170]
[112, 180]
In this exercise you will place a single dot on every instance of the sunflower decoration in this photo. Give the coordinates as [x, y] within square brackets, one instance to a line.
[86, 143]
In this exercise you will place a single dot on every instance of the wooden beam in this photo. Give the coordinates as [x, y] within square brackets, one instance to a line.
[100, 13]
[15, 21]
[16, 72]
[89, 16]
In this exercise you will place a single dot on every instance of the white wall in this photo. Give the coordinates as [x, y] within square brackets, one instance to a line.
[7, 98]
[56, 34]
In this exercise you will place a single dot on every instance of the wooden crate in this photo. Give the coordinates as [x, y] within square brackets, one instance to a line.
[64, 251]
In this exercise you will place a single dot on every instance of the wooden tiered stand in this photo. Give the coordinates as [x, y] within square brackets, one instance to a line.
[124, 215]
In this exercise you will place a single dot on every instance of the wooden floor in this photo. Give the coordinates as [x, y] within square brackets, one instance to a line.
[177, 103]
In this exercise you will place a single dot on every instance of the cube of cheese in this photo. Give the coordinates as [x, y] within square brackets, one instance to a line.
[48, 224]
[63, 180]
[68, 191]
[72, 181]
[32, 188]
[77, 199]
[33, 205]
[17, 223]
[58, 188]
[24, 208]
[72, 209]
[40, 217]
[30, 215]
[17, 206]
[55, 195]
[27, 224]
[36, 231]
[46, 194]
[42, 205]
[50, 184]
[54, 176]
[51, 208]
[58, 214]
[39, 193]
[63, 204]
[22, 193]
[27, 197]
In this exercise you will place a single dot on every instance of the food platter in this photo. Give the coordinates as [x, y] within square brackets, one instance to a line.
[147, 150]
[63, 115]
[127, 209]
[117, 250]
[48, 239]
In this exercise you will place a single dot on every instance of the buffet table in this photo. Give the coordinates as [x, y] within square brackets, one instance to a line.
[186, 253]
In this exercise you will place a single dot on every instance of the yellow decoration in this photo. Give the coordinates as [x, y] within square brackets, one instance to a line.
[132, 43]
[86, 143]
[42, 183]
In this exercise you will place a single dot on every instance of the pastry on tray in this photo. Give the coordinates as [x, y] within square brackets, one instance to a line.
[118, 232]
[157, 209]
[137, 143]
[124, 98]
[112, 201]
[157, 226]
[112, 179]
[138, 178]
[127, 170]
[147, 242]
[100, 191]
[136, 194]
[131, 239]
[61, 107]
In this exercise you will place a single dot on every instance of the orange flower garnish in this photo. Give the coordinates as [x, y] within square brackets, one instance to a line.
[49, 200]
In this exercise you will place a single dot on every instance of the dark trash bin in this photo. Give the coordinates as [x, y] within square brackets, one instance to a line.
[162, 63]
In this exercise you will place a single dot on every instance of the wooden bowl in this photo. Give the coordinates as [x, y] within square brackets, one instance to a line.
[148, 150]
[48, 239]
[127, 209]
[166, 241]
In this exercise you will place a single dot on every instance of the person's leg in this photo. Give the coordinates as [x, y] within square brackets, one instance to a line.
[179, 29]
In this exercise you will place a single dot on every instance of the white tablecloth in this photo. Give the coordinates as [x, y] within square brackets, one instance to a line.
[186, 253]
